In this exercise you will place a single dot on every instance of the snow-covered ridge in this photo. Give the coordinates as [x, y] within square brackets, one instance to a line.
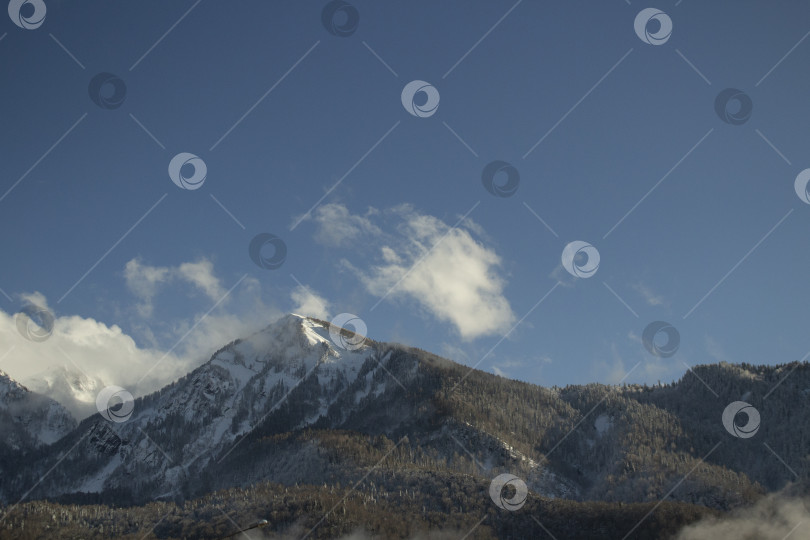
[35, 419]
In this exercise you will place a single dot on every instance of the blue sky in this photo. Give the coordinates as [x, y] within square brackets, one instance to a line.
[282, 112]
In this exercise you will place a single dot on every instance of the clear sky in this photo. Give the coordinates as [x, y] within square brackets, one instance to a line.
[384, 213]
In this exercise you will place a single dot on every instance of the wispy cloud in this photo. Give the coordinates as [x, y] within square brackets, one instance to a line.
[101, 351]
[614, 366]
[774, 517]
[648, 294]
[308, 302]
[715, 350]
[562, 277]
[106, 352]
[446, 271]
[145, 281]
[337, 227]
[201, 275]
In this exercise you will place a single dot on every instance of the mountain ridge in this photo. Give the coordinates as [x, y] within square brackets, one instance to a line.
[28, 419]
[288, 405]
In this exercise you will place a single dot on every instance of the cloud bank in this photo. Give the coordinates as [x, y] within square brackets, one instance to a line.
[94, 354]
[774, 517]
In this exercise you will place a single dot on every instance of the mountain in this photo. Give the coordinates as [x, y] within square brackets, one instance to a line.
[176, 433]
[29, 420]
[72, 388]
[287, 424]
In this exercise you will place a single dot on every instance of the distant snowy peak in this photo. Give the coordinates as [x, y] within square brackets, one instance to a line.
[80, 385]
[74, 389]
[33, 419]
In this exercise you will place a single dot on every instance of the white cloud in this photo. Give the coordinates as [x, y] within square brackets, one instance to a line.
[308, 302]
[338, 227]
[85, 345]
[773, 517]
[450, 274]
[497, 371]
[36, 298]
[107, 353]
[195, 337]
[144, 281]
[645, 369]
[201, 274]
[390, 256]
[505, 367]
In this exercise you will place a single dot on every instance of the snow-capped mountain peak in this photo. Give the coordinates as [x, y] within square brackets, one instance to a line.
[290, 343]
[30, 419]
[72, 388]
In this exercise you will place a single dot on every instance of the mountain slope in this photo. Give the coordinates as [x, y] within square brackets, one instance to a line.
[287, 406]
[176, 432]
